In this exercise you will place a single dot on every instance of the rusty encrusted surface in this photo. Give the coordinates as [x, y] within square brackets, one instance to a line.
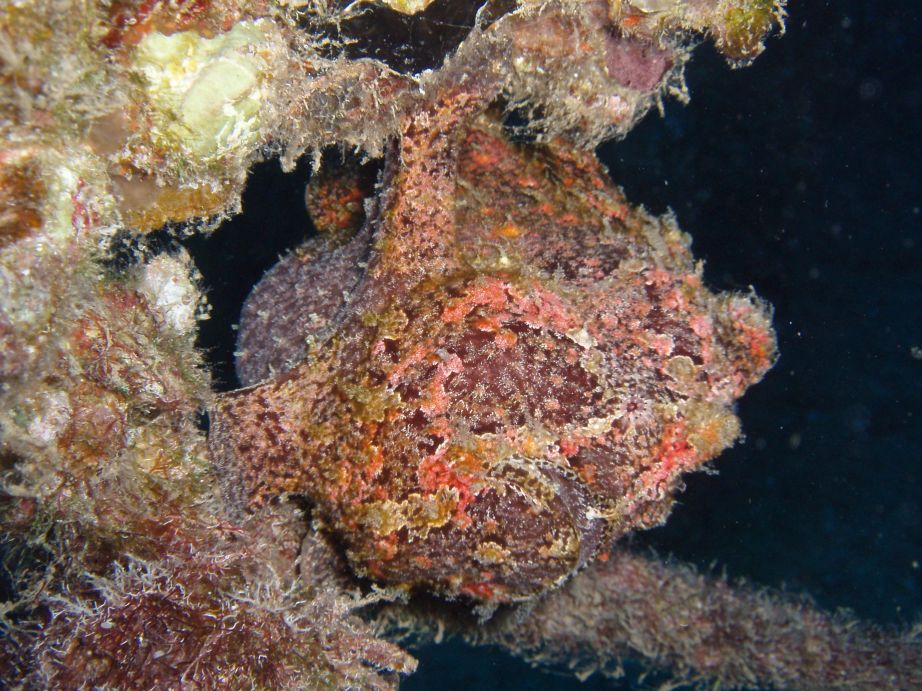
[503, 370]
[487, 369]
[520, 374]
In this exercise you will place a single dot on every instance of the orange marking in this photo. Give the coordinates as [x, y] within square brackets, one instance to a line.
[509, 230]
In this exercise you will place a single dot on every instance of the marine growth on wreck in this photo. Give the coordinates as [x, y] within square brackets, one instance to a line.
[484, 371]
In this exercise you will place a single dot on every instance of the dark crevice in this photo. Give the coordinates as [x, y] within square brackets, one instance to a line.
[129, 248]
[233, 258]
[405, 43]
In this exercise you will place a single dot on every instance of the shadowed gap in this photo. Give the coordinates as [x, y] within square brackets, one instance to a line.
[233, 258]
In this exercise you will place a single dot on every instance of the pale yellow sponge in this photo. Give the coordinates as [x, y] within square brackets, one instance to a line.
[206, 93]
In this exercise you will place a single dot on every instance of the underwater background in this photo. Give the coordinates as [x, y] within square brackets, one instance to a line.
[800, 176]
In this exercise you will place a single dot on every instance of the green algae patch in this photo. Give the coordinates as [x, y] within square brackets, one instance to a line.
[746, 25]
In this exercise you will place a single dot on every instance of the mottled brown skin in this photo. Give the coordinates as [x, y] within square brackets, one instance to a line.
[518, 373]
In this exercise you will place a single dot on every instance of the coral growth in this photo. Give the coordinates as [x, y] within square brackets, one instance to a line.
[111, 500]
[693, 627]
